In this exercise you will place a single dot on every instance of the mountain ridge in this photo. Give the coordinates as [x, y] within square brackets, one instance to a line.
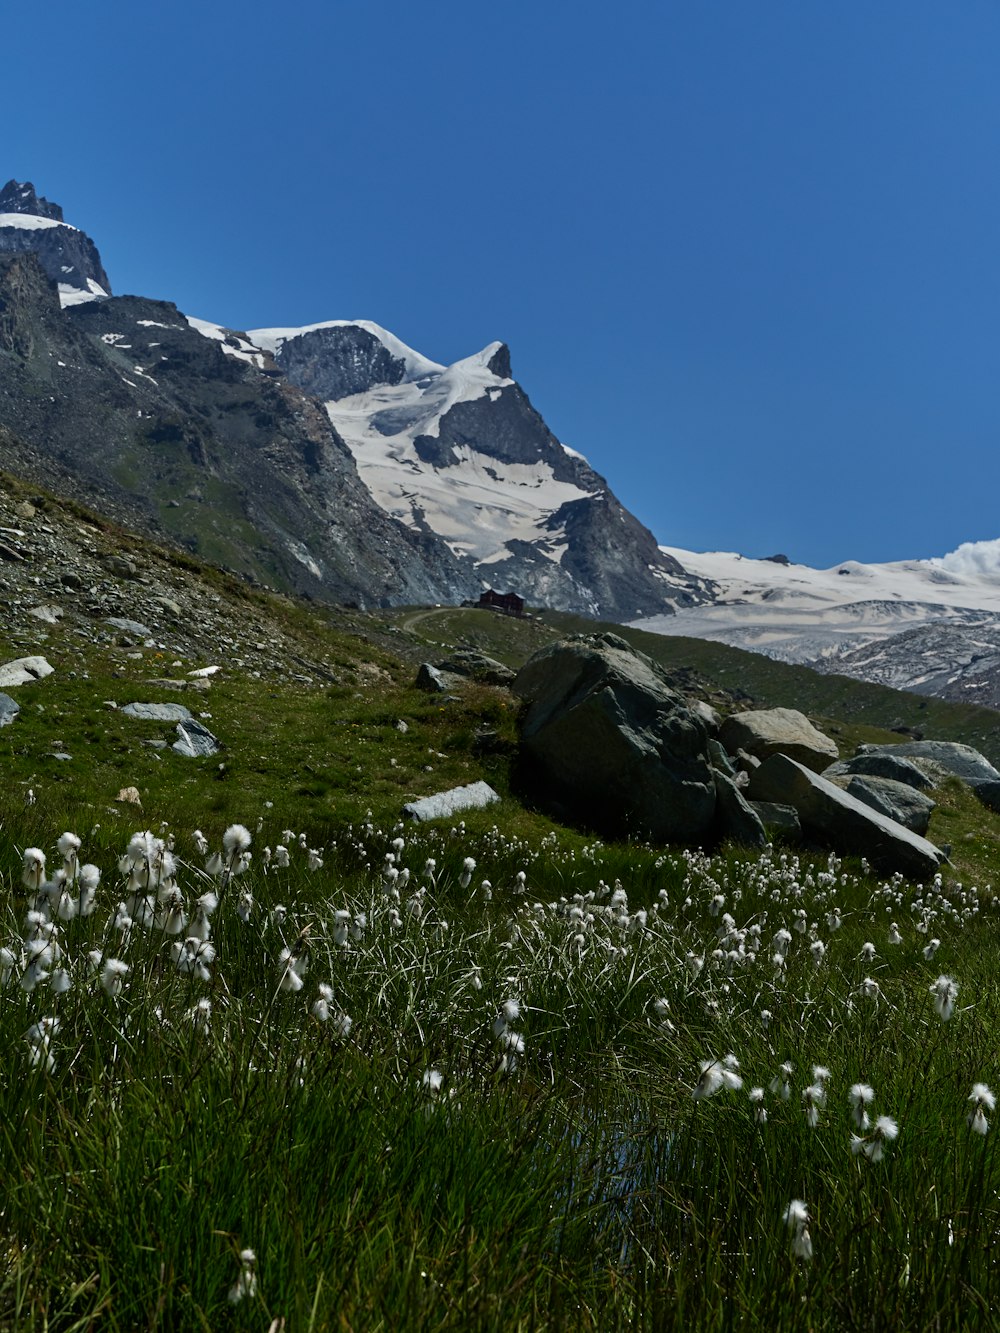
[160, 426]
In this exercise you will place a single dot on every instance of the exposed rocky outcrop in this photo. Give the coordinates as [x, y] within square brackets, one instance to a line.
[962, 761]
[842, 821]
[198, 447]
[68, 255]
[606, 741]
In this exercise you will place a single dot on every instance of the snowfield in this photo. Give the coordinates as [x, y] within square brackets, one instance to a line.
[800, 614]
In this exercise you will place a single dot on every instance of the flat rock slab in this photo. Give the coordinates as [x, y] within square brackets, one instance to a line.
[24, 670]
[896, 800]
[135, 627]
[8, 710]
[960, 760]
[846, 824]
[445, 803]
[50, 614]
[195, 740]
[766, 731]
[880, 766]
[477, 666]
[158, 712]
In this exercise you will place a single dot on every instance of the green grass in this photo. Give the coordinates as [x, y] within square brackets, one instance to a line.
[574, 1184]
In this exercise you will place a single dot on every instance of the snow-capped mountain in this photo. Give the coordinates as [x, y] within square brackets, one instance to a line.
[460, 452]
[331, 459]
[32, 225]
[927, 625]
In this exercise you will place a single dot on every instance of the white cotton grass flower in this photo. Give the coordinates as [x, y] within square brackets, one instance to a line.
[246, 1284]
[894, 934]
[39, 1037]
[756, 1096]
[796, 1218]
[292, 968]
[930, 949]
[510, 1012]
[88, 879]
[193, 957]
[715, 1075]
[813, 1099]
[860, 1096]
[465, 878]
[112, 977]
[236, 840]
[945, 992]
[432, 1081]
[200, 1014]
[870, 989]
[325, 1011]
[33, 872]
[68, 847]
[886, 1130]
[983, 1100]
[781, 1085]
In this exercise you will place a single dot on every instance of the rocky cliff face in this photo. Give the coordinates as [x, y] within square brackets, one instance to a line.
[461, 452]
[122, 403]
[31, 225]
[331, 460]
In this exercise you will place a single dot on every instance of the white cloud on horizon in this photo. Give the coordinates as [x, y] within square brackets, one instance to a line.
[972, 558]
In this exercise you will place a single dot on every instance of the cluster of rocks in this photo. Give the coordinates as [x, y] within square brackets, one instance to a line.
[78, 583]
[606, 741]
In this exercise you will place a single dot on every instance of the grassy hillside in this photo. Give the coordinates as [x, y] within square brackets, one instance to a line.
[317, 1068]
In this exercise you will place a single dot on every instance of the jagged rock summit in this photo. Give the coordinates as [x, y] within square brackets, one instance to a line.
[30, 224]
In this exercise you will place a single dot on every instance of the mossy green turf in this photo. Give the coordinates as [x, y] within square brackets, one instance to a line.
[587, 1192]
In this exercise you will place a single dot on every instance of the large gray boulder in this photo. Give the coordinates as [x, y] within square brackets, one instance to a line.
[735, 819]
[9, 710]
[880, 765]
[607, 742]
[195, 740]
[895, 800]
[779, 821]
[24, 670]
[842, 821]
[960, 760]
[157, 712]
[766, 731]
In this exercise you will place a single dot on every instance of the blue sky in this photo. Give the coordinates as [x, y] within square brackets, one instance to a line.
[745, 255]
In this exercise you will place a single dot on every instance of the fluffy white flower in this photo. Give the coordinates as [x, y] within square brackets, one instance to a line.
[235, 840]
[945, 992]
[113, 976]
[983, 1100]
[246, 1284]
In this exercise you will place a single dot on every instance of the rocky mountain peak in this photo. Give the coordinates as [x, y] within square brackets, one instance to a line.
[499, 362]
[20, 197]
[32, 225]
